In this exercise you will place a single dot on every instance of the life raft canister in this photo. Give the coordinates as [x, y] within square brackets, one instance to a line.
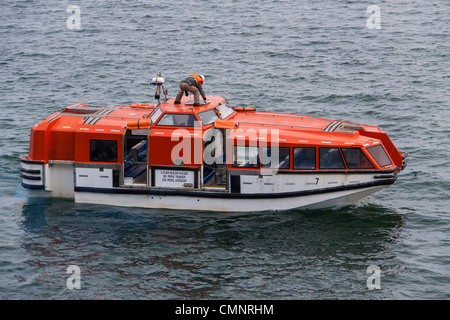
[143, 105]
[138, 124]
[197, 77]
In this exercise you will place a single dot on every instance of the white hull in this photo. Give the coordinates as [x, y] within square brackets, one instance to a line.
[322, 200]
[255, 193]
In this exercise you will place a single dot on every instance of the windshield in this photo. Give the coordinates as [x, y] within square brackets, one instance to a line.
[179, 120]
[208, 117]
[224, 110]
[155, 115]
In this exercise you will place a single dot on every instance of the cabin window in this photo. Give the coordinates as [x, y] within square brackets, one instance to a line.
[155, 115]
[178, 120]
[246, 157]
[224, 110]
[282, 161]
[380, 155]
[356, 159]
[103, 150]
[305, 158]
[208, 117]
[330, 158]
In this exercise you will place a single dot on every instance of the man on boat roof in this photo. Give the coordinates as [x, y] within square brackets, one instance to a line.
[192, 84]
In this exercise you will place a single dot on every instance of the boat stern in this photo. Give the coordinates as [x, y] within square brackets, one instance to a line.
[32, 173]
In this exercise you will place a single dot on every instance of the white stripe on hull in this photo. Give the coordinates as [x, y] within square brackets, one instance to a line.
[321, 200]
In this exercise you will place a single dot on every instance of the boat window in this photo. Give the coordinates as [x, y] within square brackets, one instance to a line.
[380, 155]
[208, 116]
[283, 161]
[305, 158]
[224, 110]
[155, 115]
[246, 157]
[356, 159]
[330, 158]
[178, 120]
[103, 150]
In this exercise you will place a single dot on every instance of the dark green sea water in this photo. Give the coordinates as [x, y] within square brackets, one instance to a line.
[316, 58]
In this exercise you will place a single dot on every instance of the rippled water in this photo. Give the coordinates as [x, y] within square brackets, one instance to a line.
[316, 58]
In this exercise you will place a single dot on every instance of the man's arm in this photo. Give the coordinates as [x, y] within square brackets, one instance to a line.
[200, 88]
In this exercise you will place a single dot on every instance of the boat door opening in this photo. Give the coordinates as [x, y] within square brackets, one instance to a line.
[215, 170]
[135, 170]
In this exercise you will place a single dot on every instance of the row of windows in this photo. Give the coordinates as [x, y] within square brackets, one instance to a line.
[304, 158]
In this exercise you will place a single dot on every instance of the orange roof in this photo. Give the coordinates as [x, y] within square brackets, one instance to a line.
[290, 128]
[169, 105]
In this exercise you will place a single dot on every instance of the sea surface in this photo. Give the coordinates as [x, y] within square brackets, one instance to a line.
[316, 58]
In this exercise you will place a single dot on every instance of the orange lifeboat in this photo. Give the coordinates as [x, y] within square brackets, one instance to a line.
[212, 157]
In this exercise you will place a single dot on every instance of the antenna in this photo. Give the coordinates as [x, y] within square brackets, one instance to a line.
[158, 81]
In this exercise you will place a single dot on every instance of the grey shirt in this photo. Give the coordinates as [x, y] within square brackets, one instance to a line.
[193, 82]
